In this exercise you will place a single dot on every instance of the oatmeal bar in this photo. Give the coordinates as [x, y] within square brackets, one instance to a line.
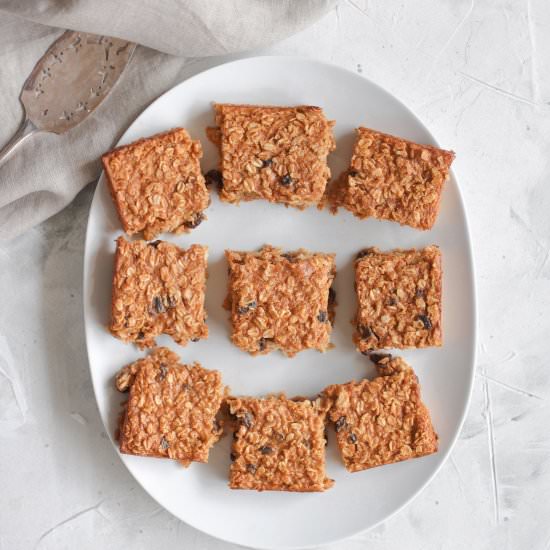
[273, 153]
[278, 445]
[171, 410]
[280, 300]
[157, 184]
[393, 179]
[158, 288]
[399, 299]
[383, 420]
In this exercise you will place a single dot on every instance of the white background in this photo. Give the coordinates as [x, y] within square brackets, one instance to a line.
[478, 74]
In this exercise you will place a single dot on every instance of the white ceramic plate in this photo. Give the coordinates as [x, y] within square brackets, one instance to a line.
[199, 495]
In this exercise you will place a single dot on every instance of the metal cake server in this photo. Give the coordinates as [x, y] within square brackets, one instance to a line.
[68, 83]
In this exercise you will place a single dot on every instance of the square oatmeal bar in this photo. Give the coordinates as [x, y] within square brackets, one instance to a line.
[384, 420]
[280, 300]
[171, 411]
[399, 299]
[278, 445]
[393, 179]
[274, 153]
[158, 288]
[157, 184]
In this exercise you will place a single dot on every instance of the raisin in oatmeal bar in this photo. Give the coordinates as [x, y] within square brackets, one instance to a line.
[157, 184]
[280, 300]
[274, 153]
[383, 420]
[399, 299]
[158, 288]
[171, 411]
[278, 445]
[393, 179]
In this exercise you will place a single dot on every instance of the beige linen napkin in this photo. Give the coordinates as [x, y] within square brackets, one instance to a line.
[47, 171]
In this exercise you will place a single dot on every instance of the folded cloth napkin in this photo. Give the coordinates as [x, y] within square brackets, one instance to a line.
[47, 171]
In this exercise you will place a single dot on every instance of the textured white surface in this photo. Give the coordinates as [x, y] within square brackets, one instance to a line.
[478, 73]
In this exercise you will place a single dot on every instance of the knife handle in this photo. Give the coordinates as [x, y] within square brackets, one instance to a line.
[24, 131]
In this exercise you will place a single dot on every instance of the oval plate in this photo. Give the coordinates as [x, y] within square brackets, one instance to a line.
[199, 495]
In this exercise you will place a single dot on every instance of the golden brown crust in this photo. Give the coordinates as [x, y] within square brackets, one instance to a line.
[399, 299]
[381, 421]
[393, 179]
[278, 445]
[156, 183]
[274, 153]
[280, 300]
[171, 411]
[214, 134]
[158, 288]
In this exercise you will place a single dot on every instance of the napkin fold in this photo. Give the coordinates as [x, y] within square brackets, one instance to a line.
[45, 173]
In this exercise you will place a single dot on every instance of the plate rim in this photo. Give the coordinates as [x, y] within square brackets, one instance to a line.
[471, 277]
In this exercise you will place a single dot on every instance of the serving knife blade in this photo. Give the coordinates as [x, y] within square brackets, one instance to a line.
[68, 83]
